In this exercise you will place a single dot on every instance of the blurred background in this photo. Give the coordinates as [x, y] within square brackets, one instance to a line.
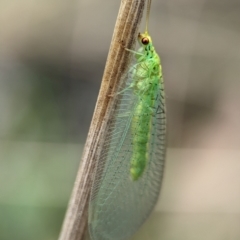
[52, 57]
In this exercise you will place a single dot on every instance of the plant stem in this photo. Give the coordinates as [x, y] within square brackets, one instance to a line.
[129, 16]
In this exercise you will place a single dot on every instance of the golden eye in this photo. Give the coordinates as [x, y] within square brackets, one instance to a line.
[145, 41]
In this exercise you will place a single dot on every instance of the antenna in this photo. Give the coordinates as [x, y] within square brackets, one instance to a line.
[147, 15]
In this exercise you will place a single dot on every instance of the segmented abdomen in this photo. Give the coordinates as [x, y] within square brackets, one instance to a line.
[146, 89]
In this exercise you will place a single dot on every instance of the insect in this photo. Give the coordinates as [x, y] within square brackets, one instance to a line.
[130, 168]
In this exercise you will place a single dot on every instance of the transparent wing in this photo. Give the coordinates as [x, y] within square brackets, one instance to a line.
[119, 205]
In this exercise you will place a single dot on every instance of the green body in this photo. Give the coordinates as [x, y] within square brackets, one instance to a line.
[146, 79]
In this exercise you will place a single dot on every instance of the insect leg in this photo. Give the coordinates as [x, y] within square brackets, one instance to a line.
[130, 50]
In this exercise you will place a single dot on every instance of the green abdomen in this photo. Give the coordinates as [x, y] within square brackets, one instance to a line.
[141, 124]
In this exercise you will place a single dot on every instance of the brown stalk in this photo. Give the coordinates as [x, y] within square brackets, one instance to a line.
[129, 16]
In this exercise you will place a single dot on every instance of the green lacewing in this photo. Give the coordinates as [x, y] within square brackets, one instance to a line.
[130, 168]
